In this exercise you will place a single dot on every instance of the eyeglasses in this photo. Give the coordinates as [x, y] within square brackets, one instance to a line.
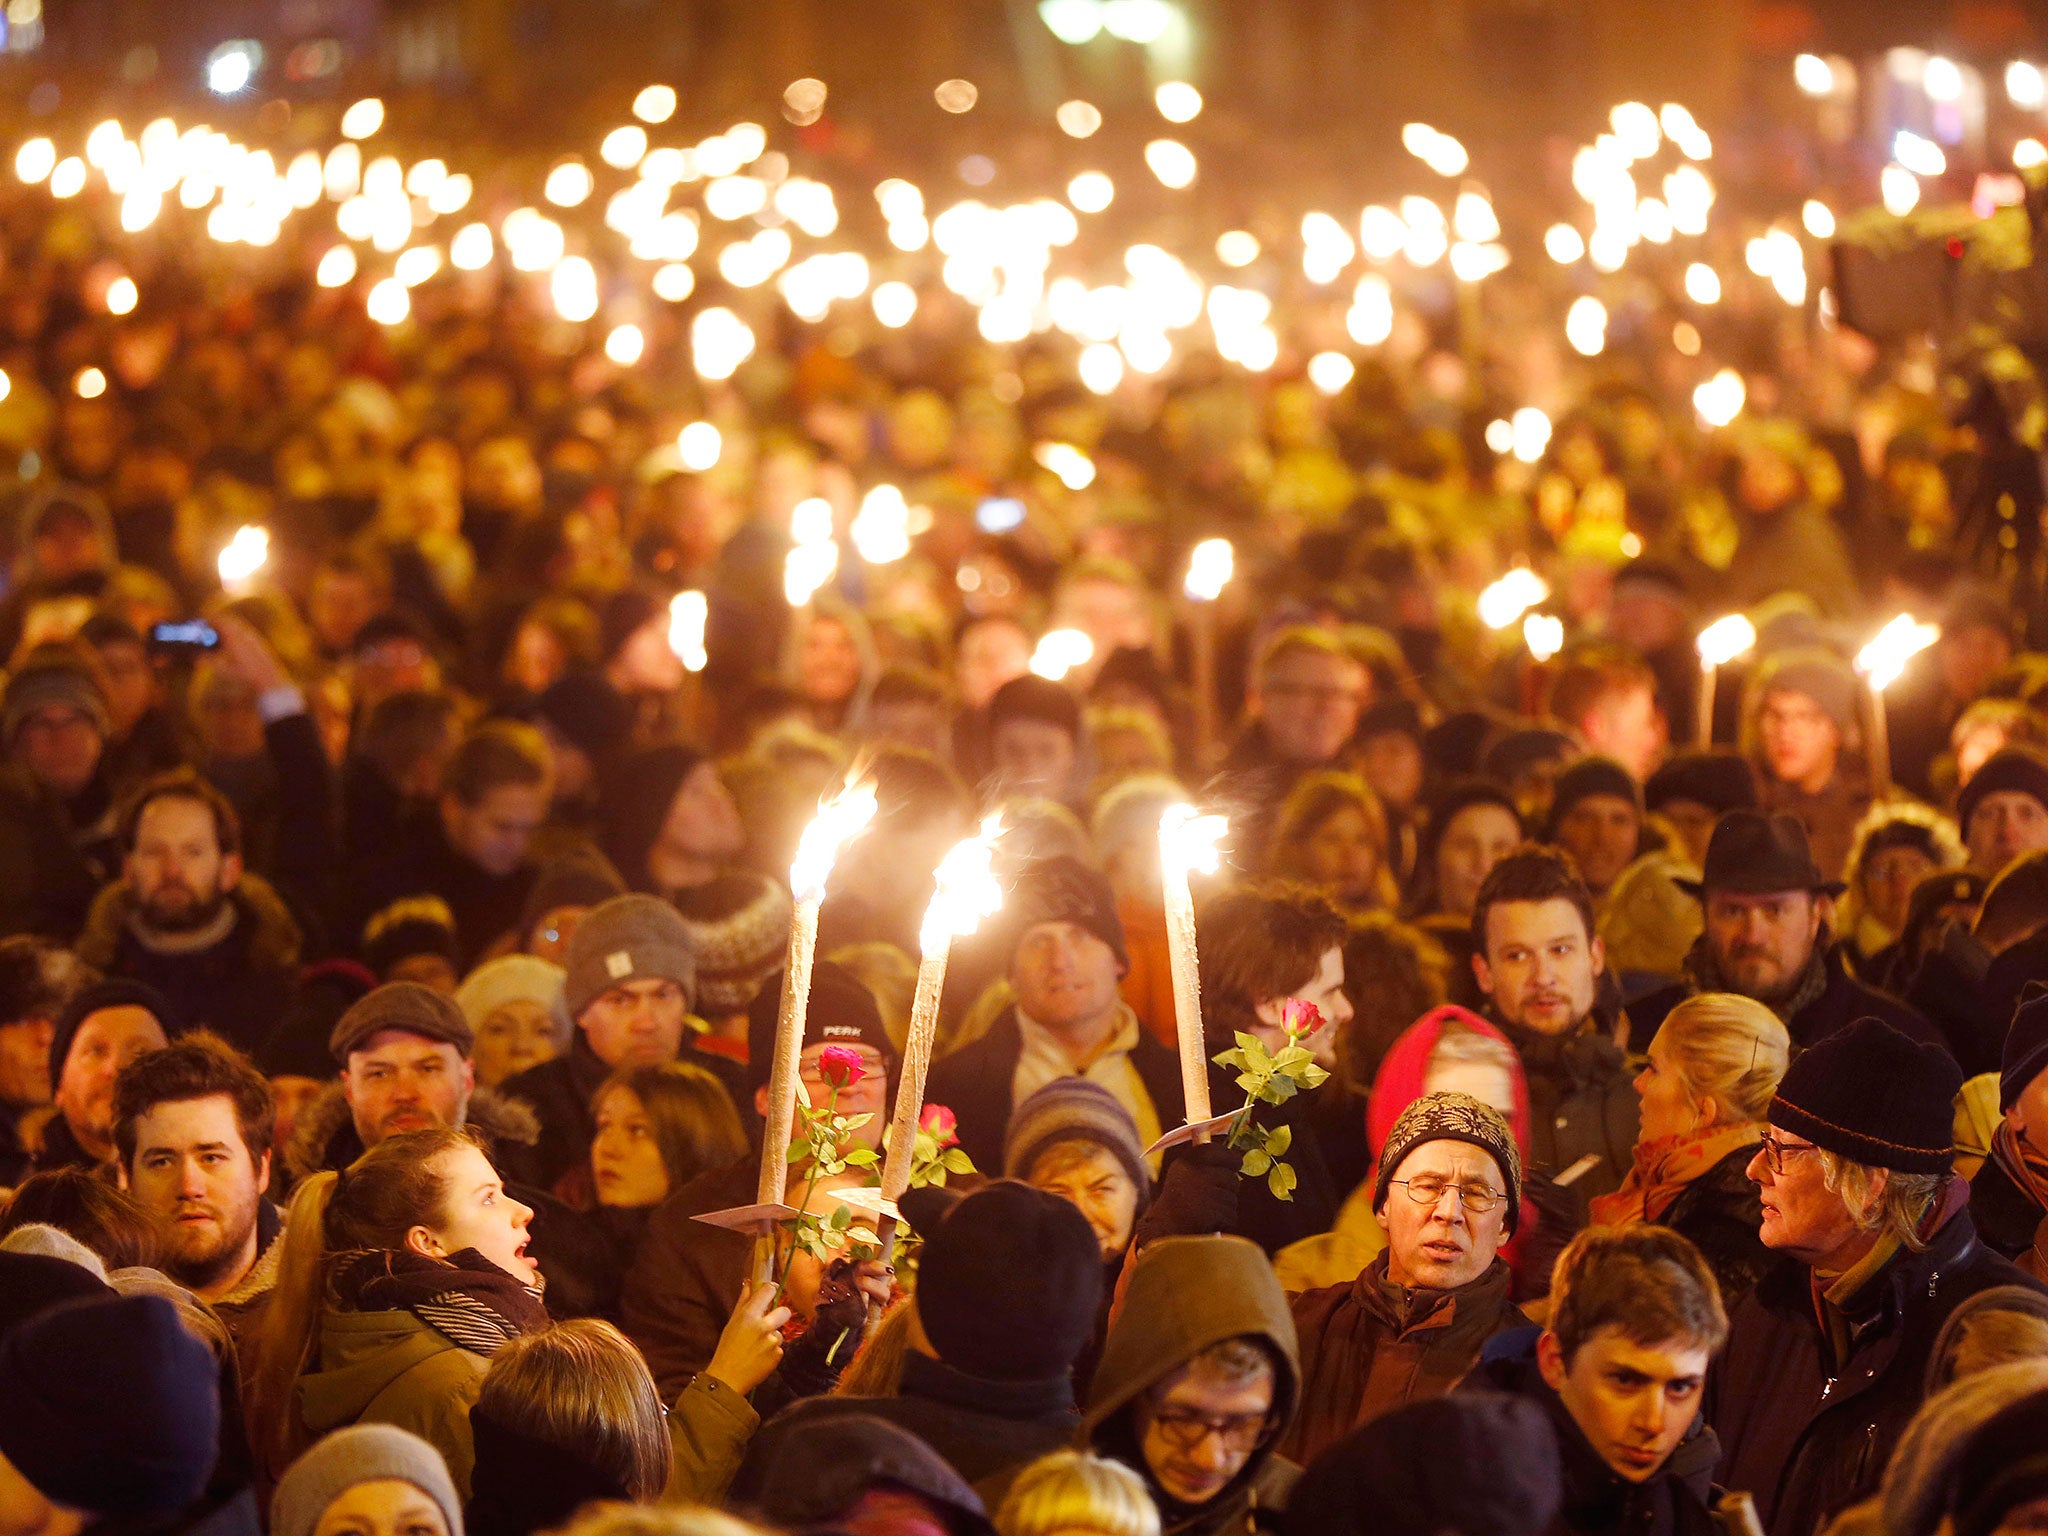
[1186, 1430]
[1775, 1153]
[1475, 1198]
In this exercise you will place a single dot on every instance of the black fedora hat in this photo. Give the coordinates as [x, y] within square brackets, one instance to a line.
[1753, 853]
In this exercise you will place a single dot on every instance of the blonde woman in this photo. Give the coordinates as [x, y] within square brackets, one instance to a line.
[1712, 1070]
[1074, 1493]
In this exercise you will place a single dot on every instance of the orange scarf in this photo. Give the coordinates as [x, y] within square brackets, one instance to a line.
[1662, 1170]
[2027, 1168]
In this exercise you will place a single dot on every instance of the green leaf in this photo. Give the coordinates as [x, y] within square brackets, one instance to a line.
[1280, 1090]
[853, 1122]
[957, 1161]
[801, 1147]
[863, 1235]
[1279, 1140]
[1281, 1181]
[839, 1219]
[1292, 1056]
[1313, 1076]
[1254, 1164]
[1231, 1059]
[1251, 1044]
[863, 1157]
[1248, 1083]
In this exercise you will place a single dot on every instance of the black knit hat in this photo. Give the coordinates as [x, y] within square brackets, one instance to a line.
[1473, 1463]
[1720, 779]
[1031, 697]
[115, 993]
[1062, 889]
[1521, 751]
[2013, 770]
[588, 713]
[1756, 854]
[2026, 1046]
[841, 1008]
[1453, 1117]
[1587, 777]
[1009, 1281]
[1870, 1094]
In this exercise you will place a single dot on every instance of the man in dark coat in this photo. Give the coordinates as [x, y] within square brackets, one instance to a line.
[56, 798]
[1767, 937]
[1067, 959]
[1827, 1358]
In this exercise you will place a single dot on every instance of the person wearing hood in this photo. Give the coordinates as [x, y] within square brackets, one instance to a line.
[188, 919]
[669, 823]
[1009, 1281]
[1800, 715]
[400, 1277]
[1620, 1371]
[1827, 1358]
[1449, 1192]
[1197, 1383]
[56, 795]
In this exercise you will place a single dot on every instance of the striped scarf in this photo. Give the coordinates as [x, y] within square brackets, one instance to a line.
[464, 1296]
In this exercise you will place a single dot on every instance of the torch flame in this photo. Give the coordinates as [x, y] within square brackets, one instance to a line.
[1724, 640]
[1210, 567]
[1059, 651]
[1896, 644]
[839, 820]
[1512, 596]
[1543, 633]
[968, 892]
[244, 556]
[1190, 841]
[687, 613]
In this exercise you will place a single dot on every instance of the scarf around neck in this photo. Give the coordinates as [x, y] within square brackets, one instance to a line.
[464, 1296]
[1704, 974]
[1664, 1167]
[2027, 1167]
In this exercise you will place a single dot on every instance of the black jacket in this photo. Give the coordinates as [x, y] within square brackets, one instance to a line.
[1842, 1002]
[486, 906]
[1582, 1103]
[2006, 1216]
[1678, 1500]
[1808, 1440]
[975, 1083]
[52, 860]
[1721, 1212]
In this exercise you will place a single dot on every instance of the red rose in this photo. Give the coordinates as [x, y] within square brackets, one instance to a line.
[942, 1123]
[1300, 1018]
[841, 1066]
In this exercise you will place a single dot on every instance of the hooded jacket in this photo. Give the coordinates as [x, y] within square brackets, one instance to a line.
[236, 987]
[1187, 1294]
[388, 1367]
[1678, 1500]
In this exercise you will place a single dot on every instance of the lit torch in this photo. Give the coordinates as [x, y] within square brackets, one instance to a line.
[1211, 564]
[1188, 842]
[1881, 662]
[1506, 600]
[1059, 651]
[244, 557]
[1719, 643]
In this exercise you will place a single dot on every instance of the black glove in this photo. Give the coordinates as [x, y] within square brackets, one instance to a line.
[811, 1365]
[1197, 1194]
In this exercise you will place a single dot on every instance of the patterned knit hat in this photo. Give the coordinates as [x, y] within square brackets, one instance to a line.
[1452, 1117]
[739, 928]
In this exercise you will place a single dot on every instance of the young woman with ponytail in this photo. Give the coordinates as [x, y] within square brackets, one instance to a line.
[399, 1278]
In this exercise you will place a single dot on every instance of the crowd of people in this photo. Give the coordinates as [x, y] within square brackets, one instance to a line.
[391, 946]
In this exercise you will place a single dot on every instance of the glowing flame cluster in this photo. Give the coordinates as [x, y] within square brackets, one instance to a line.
[838, 822]
[813, 558]
[1211, 564]
[968, 892]
[1506, 600]
[1885, 657]
[687, 614]
[1190, 842]
[881, 528]
[245, 554]
[1059, 651]
[1724, 640]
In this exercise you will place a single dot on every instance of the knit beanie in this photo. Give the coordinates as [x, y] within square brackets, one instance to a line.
[32, 1282]
[514, 979]
[1524, 750]
[1452, 1117]
[1720, 779]
[50, 675]
[840, 1008]
[2026, 1046]
[588, 713]
[1590, 776]
[1031, 697]
[1074, 1109]
[819, 1468]
[361, 1453]
[1870, 1094]
[1476, 1463]
[2011, 770]
[1062, 889]
[1820, 675]
[629, 938]
[110, 1406]
[739, 929]
[2004, 1465]
[115, 993]
[401, 1005]
[1009, 1281]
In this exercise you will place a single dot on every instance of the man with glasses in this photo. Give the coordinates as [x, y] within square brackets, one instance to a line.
[1307, 693]
[1449, 1194]
[1827, 1357]
[1197, 1380]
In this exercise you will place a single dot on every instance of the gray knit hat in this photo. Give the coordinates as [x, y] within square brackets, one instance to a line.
[1074, 1109]
[1452, 1117]
[514, 979]
[361, 1453]
[402, 1005]
[739, 931]
[629, 938]
[50, 676]
[1818, 673]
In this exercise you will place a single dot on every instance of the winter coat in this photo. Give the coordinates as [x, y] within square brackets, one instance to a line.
[1842, 1001]
[50, 866]
[1721, 1213]
[1808, 1440]
[1370, 1346]
[388, 1367]
[2006, 1216]
[975, 1082]
[687, 1277]
[1677, 1500]
[1145, 1347]
[241, 1309]
[424, 864]
[987, 1431]
[238, 987]
[1582, 1103]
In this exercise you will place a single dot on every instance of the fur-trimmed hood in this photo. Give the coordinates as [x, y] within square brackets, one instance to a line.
[273, 944]
[325, 1135]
